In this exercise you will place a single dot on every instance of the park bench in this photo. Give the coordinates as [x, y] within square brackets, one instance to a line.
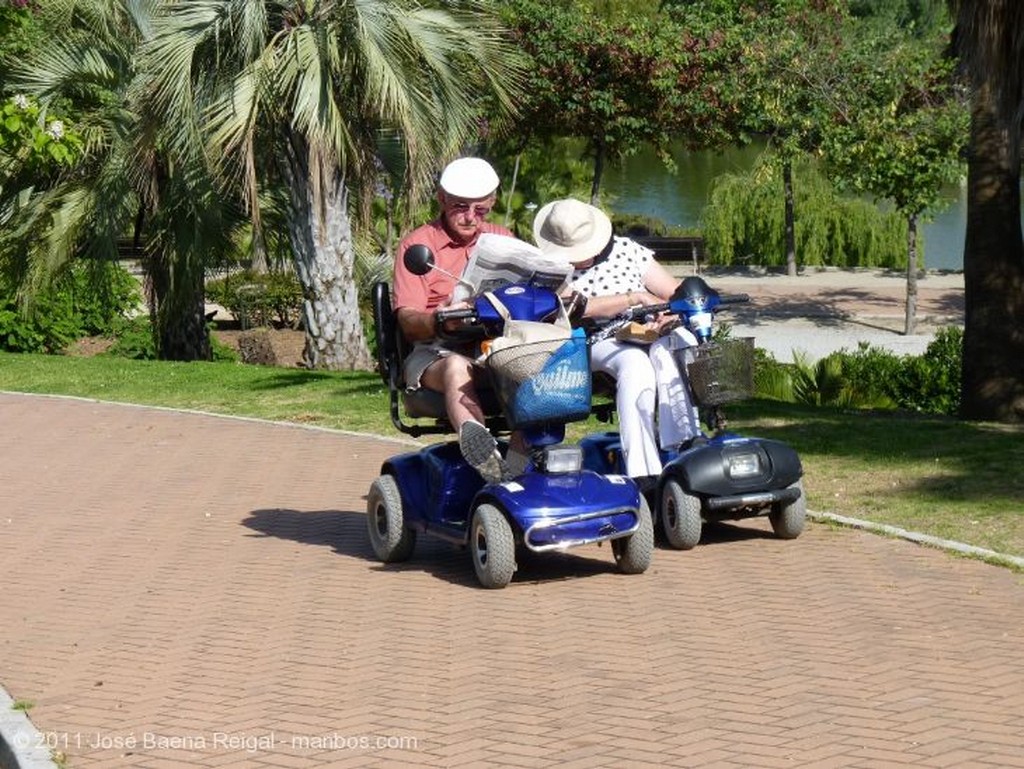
[689, 249]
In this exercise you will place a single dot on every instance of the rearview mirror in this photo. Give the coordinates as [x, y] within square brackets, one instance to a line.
[418, 259]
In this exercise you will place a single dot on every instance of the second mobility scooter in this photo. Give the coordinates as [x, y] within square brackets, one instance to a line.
[721, 475]
[555, 503]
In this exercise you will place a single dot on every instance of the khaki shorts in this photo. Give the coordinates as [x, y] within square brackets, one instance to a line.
[423, 354]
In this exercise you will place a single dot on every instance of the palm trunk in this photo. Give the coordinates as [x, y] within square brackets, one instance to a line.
[993, 355]
[177, 312]
[321, 236]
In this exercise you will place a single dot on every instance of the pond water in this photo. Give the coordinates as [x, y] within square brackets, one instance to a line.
[641, 185]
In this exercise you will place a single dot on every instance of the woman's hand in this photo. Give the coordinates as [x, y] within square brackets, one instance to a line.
[642, 298]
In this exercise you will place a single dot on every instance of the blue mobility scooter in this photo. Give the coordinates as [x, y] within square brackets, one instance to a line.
[719, 476]
[555, 503]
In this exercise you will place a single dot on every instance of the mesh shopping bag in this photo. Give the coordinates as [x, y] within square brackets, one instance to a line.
[722, 372]
[546, 381]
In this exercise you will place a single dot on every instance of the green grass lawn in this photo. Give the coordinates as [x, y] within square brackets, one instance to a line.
[934, 475]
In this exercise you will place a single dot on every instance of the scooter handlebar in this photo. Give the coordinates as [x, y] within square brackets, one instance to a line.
[463, 313]
[733, 298]
[643, 310]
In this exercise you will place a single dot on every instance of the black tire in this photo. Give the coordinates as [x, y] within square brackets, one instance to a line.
[680, 516]
[493, 547]
[788, 520]
[391, 539]
[633, 553]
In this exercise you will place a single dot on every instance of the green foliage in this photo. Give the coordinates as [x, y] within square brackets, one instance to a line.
[900, 124]
[18, 33]
[640, 224]
[772, 380]
[259, 299]
[744, 221]
[133, 339]
[34, 145]
[89, 299]
[870, 377]
[619, 83]
[930, 383]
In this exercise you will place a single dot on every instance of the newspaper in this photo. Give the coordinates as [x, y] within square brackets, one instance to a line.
[497, 260]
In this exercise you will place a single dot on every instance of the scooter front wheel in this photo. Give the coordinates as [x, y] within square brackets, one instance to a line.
[788, 520]
[493, 547]
[680, 516]
[390, 538]
[633, 553]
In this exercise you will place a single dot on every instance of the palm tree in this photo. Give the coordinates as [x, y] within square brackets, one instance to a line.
[304, 92]
[989, 38]
[126, 183]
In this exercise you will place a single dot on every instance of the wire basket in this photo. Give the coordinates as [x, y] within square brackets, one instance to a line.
[722, 372]
[542, 381]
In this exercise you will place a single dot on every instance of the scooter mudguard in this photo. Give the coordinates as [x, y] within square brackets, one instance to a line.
[437, 487]
[732, 465]
[602, 453]
[561, 510]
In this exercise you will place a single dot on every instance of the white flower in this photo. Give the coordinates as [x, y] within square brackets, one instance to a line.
[21, 101]
[55, 129]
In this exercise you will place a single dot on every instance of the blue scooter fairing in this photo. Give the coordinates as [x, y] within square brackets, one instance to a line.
[549, 510]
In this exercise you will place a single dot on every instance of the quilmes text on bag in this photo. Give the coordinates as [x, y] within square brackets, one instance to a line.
[565, 376]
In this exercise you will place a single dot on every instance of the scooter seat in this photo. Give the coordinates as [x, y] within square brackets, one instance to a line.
[424, 404]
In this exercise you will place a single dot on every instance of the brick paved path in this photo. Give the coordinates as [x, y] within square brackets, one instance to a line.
[182, 590]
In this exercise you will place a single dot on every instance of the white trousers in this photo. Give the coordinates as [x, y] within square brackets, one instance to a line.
[651, 394]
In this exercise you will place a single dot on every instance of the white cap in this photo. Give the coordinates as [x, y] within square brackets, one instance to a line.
[469, 178]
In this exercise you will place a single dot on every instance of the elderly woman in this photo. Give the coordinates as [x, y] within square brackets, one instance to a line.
[616, 273]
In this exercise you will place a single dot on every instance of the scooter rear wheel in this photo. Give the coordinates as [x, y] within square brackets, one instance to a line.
[493, 547]
[788, 520]
[390, 538]
[633, 553]
[680, 516]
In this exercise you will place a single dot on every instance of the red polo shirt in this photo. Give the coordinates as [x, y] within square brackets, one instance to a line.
[428, 292]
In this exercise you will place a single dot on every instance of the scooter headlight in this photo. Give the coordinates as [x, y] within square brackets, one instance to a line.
[743, 465]
[563, 459]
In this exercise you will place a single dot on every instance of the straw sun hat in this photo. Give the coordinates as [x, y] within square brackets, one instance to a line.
[572, 230]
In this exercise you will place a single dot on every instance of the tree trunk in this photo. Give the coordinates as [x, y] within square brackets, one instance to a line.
[787, 185]
[993, 357]
[321, 236]
[910, 323]
[178, 313]
[595, 187]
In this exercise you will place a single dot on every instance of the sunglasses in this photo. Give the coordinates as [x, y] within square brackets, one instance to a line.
[476, 210]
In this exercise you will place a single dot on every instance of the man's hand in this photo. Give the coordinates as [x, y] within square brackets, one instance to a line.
[451, 325]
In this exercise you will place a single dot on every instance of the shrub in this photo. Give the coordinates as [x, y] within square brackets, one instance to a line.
[259, 299]
[772, 379]
[89, 299]
[133, 339]
[870, 377]
[930, 383]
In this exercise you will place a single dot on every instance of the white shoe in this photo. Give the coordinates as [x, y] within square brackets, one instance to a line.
[480, 449]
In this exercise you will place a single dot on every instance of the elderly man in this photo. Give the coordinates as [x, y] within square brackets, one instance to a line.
[466, 193]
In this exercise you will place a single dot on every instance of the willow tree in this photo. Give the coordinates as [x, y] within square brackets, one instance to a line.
[989, 37]
[301, 94]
